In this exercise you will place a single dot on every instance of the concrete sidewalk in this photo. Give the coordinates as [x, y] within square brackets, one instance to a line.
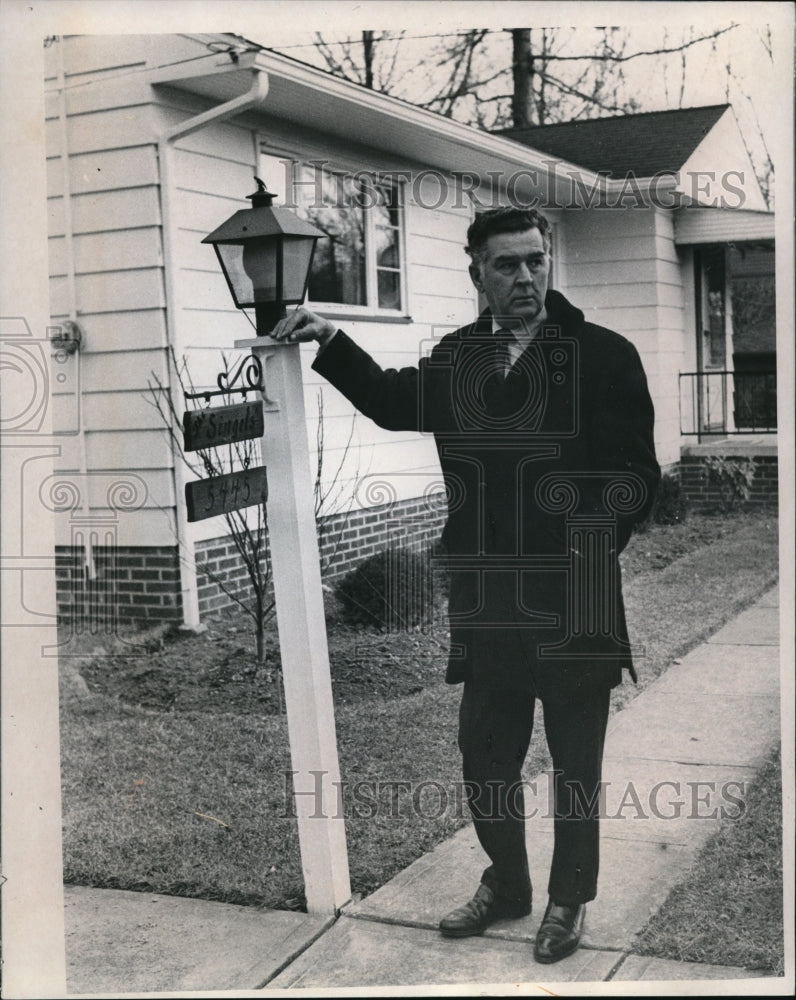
[693, 737]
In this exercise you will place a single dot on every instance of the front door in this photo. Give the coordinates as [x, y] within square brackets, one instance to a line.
[713, 383]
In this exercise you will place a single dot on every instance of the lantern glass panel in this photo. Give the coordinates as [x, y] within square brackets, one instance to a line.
[296, 265]
[251, 270]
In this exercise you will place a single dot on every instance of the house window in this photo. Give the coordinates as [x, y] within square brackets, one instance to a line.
[359, 265]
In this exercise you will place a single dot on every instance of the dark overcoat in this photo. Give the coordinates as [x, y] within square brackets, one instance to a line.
[546, 471]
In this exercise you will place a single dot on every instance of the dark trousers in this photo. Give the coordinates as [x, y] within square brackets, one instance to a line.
[495, 730]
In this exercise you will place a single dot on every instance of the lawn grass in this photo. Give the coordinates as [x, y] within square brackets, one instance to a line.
[179, 804]
[672, 610]
[197, 803]
[145, 796]
[728, 910]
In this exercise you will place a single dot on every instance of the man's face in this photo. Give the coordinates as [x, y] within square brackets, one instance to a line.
[513, 274]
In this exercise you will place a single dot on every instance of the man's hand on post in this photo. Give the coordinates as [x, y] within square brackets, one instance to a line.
[303, 325]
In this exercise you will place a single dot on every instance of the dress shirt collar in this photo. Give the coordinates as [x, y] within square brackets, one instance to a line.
[518, 340]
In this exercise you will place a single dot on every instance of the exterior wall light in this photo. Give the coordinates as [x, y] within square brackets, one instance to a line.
[266, 255]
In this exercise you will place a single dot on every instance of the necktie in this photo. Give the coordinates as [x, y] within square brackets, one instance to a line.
[495, 383]
[503, 338]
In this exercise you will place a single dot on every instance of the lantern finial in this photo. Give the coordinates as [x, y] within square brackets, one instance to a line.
[262, 197]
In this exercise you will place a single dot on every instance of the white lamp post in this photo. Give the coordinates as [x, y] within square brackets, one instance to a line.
[266, 254]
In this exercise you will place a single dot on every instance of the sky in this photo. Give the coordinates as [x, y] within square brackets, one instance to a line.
[762, 93]
[735, 68]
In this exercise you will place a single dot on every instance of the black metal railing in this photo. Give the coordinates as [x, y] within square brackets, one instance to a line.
[722, 403]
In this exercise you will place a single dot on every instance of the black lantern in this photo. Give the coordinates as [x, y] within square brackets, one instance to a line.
[266, 255]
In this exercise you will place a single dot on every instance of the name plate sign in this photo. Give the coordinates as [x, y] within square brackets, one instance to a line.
[222, 494]
[222, 425]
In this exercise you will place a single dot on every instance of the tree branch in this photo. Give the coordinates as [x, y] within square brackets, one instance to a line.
[664, 50]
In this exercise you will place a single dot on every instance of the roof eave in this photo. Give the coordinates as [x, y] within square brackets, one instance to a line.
[697, 225]
[315, 99]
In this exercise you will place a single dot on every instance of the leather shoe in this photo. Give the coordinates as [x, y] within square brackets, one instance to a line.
[560, 932]
[481, 911]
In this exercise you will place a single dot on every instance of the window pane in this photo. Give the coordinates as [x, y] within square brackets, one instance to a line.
[338, 272]
[387, 195]
[389, 289]
[387, 252]
[277, 175]
[384, 216]
[360, 218]
[386, 220]
[338, 268]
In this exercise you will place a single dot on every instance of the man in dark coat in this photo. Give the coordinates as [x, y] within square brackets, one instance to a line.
[544, 430]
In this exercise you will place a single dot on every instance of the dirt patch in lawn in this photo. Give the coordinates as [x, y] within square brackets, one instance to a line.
[662, 544]
[216, 671]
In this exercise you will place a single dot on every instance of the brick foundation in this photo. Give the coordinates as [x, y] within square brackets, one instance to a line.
[139, 585]
[218, 560]
[130, 585]
[703, 495]
[343, 541]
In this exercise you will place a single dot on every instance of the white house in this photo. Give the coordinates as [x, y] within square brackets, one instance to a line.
[154, 140]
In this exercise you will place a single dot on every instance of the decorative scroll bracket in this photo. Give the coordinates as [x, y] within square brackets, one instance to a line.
[251, 376]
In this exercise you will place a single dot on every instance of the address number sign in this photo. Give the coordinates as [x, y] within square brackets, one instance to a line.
[222, 494]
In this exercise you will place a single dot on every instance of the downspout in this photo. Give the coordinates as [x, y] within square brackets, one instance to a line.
[59, 343]
[699, 341]
[245, 102]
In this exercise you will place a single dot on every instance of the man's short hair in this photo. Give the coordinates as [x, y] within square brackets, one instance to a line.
[504, 220]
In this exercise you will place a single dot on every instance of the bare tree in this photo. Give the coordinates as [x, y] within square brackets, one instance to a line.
[501, 78]
[461, 79]
[549, 84]
[368, 60]
[522, 73]
[764, 166]
[540, 81]
[247, 528]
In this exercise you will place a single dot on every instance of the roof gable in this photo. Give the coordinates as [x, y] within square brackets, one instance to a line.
[643, 145]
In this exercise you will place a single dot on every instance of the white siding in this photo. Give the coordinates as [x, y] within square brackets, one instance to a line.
[107, 170]
[440, 289]
[113, 123]
[622, 268]
[116, 271]
[107, 211]
[719, 172]
[96, 253]
[111, 292]
[213, 175]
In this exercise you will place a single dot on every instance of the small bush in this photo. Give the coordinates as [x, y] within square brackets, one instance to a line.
[391, 589]
[669, 506]
[733, 477]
